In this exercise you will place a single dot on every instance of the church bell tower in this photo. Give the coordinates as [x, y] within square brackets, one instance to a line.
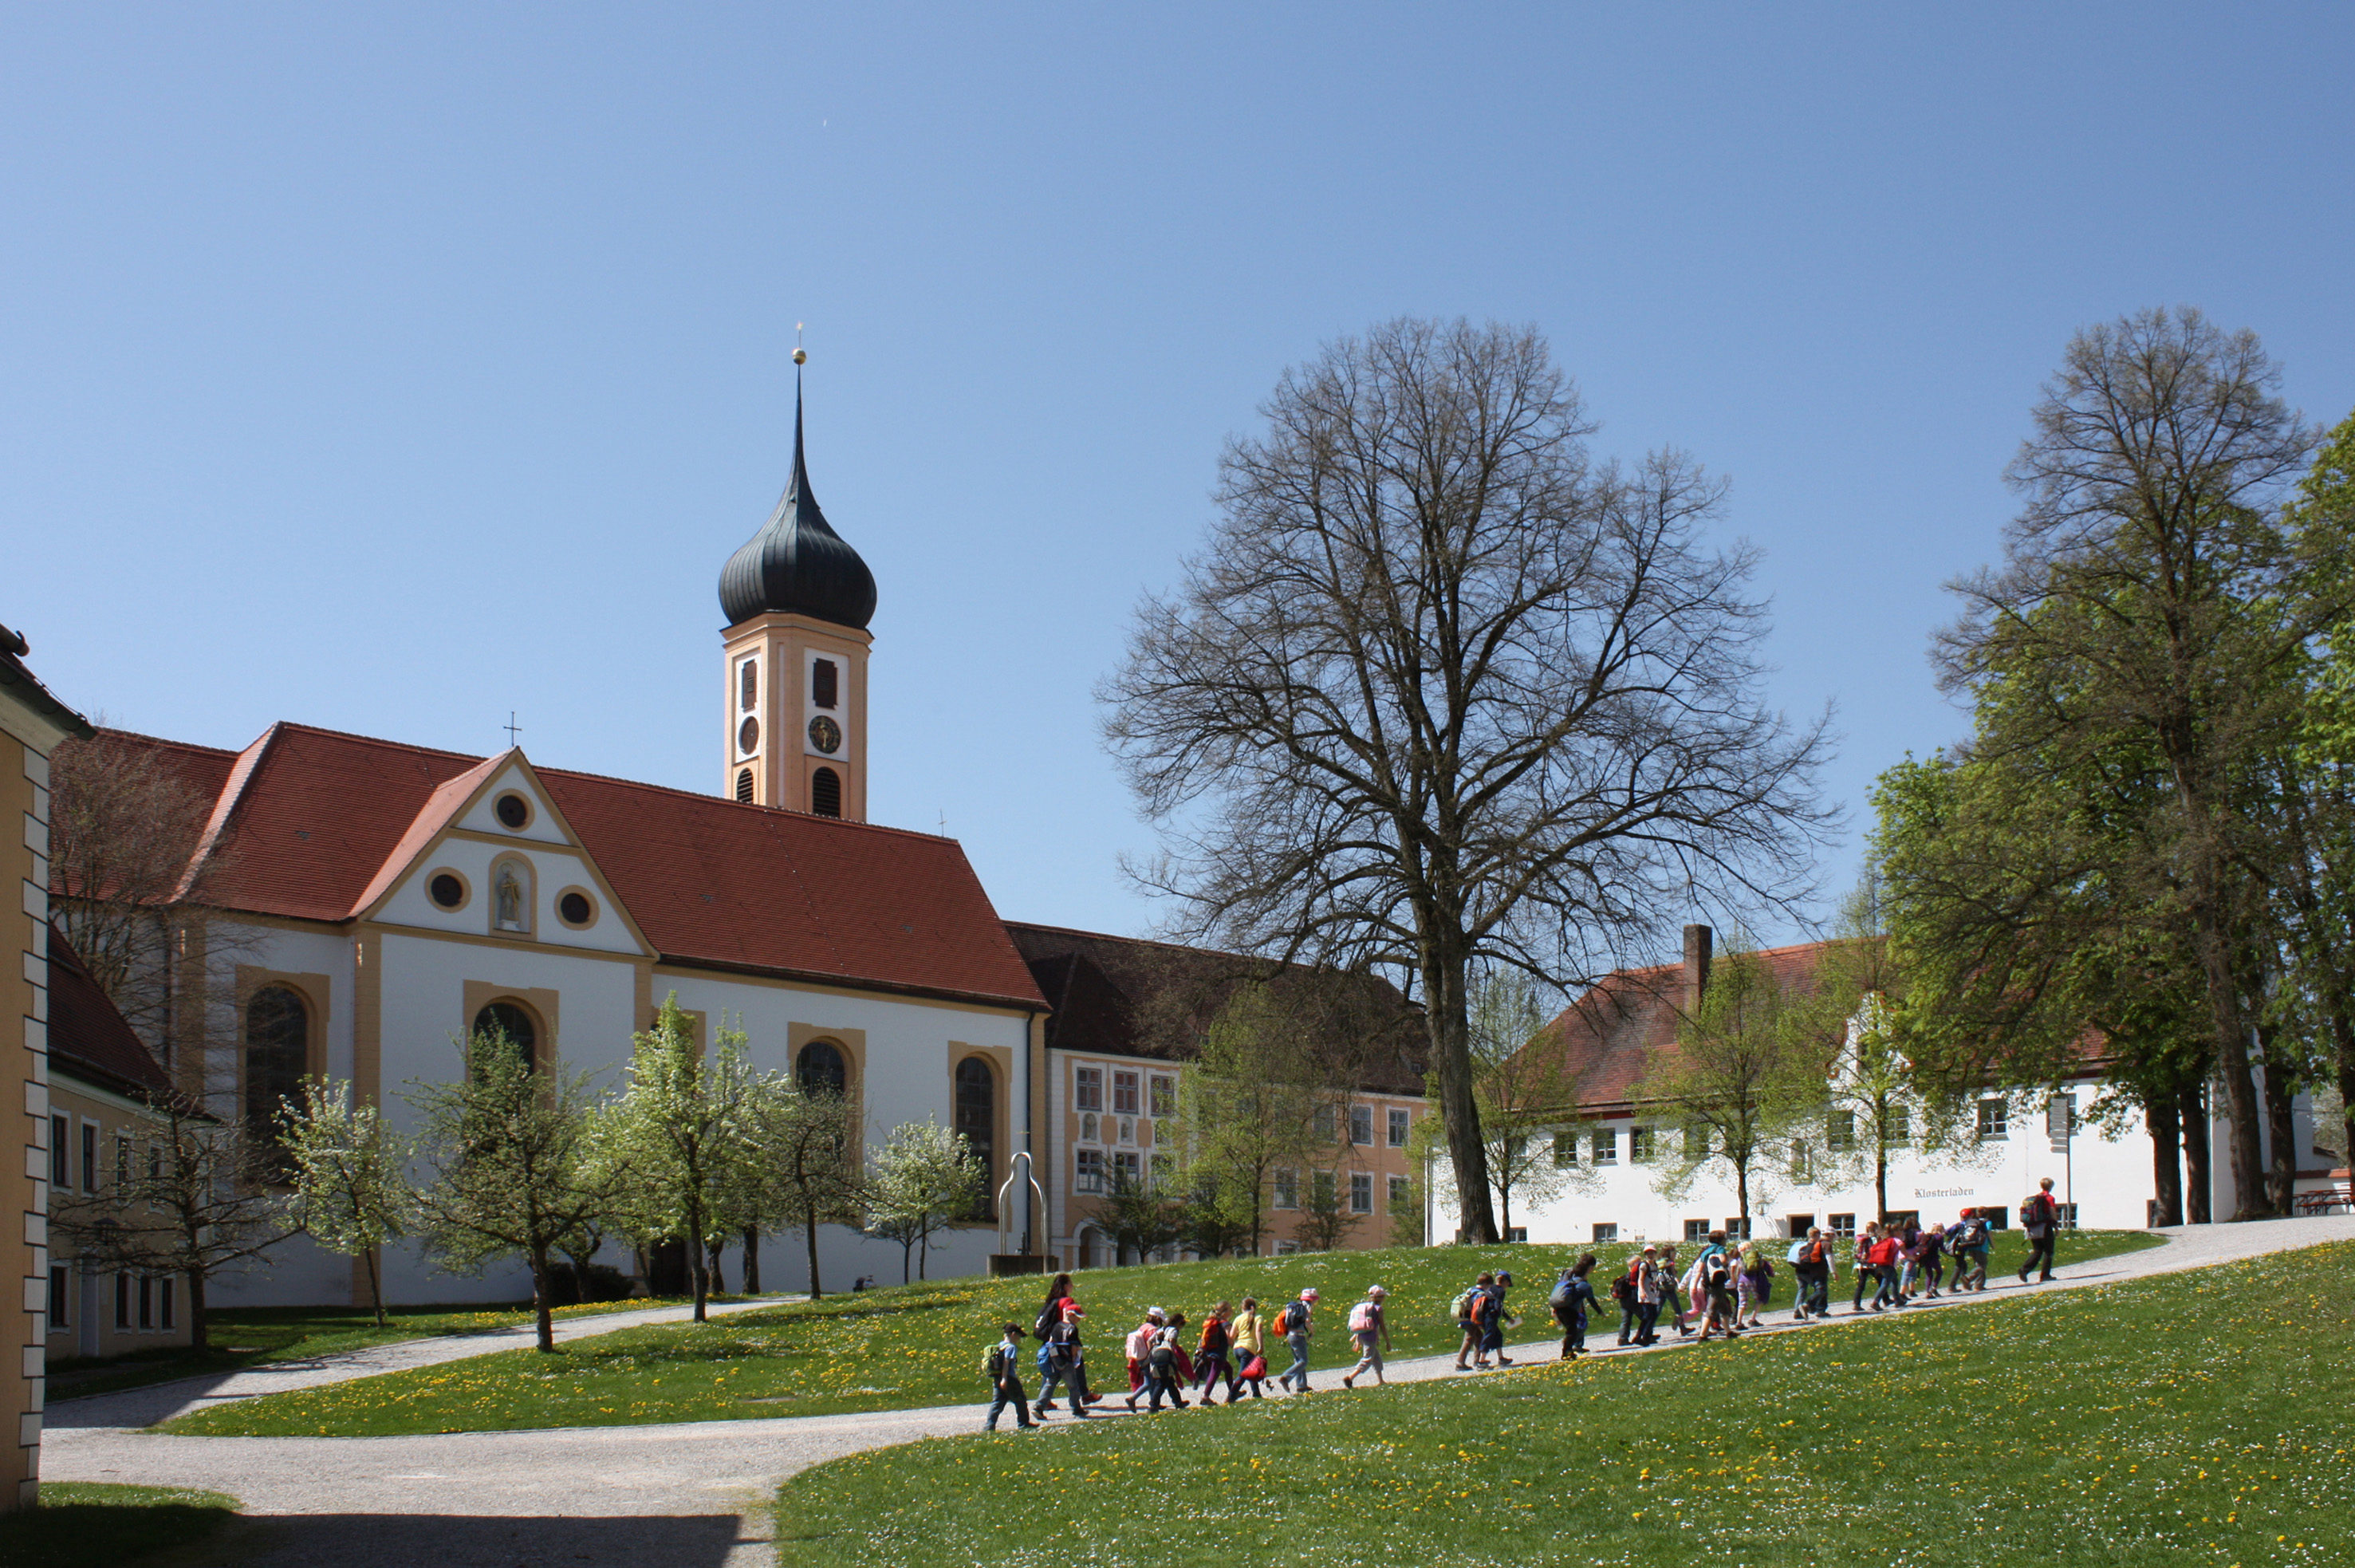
[797, 598]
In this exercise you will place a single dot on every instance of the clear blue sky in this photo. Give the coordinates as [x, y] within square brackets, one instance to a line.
[389, 367]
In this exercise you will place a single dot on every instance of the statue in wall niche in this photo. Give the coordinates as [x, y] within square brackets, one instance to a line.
[510, 900]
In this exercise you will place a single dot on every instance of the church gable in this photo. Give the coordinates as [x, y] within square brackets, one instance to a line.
[490, 853]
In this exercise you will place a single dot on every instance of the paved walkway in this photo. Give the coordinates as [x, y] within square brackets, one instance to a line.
[693, 1492]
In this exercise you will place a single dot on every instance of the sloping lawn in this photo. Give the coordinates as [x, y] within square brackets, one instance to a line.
[244, 1336]
[2186, 1420]
[897, 1348]
[81, 1523]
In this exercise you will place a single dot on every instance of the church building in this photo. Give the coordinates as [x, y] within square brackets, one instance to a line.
[369, 902]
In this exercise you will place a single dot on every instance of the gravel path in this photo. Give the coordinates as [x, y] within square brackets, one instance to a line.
[694, 1492]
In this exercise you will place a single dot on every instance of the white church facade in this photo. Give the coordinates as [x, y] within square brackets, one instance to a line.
[368, 903]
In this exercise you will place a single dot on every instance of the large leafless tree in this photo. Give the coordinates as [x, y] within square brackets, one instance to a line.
[1440, 691]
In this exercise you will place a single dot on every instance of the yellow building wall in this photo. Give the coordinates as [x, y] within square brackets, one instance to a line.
[24, 1122]
[106, 1314]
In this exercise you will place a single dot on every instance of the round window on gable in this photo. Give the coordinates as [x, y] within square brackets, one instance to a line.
[577, 908]
[447, 889]
[513, 811]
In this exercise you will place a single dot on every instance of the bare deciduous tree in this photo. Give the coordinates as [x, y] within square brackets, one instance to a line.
[1439, 691]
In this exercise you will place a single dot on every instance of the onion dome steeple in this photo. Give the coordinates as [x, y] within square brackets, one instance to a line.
[797, 564]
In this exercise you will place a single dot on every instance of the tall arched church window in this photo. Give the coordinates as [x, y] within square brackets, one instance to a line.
[826, 792]
[277, 1054]
[749, 685]
[976, 1119]
[744, 785]
[821, 1069]
[506, 1021]
[823, 685]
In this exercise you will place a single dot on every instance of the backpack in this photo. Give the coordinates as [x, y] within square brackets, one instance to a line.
[1799, 1253]
[1974, 1233]
[1462, 1310]
[1562, 1294]
[1361, 1318]
[1290, 1319]
[1049, 1316]
[993, 1365]
[1622, 1288]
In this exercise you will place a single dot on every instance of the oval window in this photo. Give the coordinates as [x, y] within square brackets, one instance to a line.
[513, 810]
[575, 909]
[748, 736]
[447, 889]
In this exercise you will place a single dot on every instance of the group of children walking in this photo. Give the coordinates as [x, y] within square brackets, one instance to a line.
[1725, 1289]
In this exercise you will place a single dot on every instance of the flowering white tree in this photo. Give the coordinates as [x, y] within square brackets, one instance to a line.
[924, 1178]
[349, 1174]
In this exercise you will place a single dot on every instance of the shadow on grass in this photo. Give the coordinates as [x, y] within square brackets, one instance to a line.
[80, 1523]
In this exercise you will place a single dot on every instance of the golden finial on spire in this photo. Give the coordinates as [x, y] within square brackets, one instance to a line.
[801, 355]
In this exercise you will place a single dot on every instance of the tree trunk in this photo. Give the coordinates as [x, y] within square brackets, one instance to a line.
[376, 1284]
[1881, 1175]
[541, 1311]
[197, 1337]
[752, 1259]
[809, 1229]
[2163, 1117]
[1742, 1196]
[2231, 1057]
[698, 1281]
[1444, 1002]
[716, 1249]
[2281, 1131]
[2199, 1200]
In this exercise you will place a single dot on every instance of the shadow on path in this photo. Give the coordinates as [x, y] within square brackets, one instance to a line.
[463, 1540]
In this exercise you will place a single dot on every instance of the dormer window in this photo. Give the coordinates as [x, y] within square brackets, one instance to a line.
[823, 693]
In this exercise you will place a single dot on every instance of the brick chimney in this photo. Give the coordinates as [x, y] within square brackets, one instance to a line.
[1699, 939]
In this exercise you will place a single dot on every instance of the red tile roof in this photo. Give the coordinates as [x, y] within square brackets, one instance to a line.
[87, 1036]
[311, 821]
[1605, 1036]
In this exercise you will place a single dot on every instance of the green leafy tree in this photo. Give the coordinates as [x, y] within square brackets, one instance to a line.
[1745, 1077]
[809, 1173]
[1139, 1215]
[1325, 1220]
[349, 1172]
[1246, 1107]
[683, 1129]
[518, 1164]
[924, 1178]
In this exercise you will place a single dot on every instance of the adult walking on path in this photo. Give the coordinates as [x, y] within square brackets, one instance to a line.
[2040, 1221]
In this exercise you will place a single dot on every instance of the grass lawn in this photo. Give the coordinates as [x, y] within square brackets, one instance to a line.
[244, 1336]
[897, 1349]
[2197, 1419]
[83, 1523]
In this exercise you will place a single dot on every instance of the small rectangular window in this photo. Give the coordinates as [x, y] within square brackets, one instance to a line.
[1401, 1123]
[1995, 1120]
[1839, 1130]
[1287, 1190]
[155, 1162]
[146, 1301]
[1089, 1170]
[1898, 1128]
[1361, 1125]
[1327, 1125]
[822, 683]
[1164, 1095]
[122, 1160]
[1606, 1233]
[1606, 1146]
[90, 1157]
[1401, 1194]
[1325, 1189]
[748, 685]
[1123, 1093]
[122, 1301]
[1087, 1088]
[58, 1296]
[1696, 1230]
[1130, 1165]
[1517, 1233]
[1565, 1150]
[164, 1292]
[1643, 1145]
[61, 1153]
[1843, 1227]
[1362, 1192]
[1799, 1225]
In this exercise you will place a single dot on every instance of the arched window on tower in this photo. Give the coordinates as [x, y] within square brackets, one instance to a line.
[744, 785]
[823, 693]
[749, 685]
[508, 1022]
[277, 1055]
[820, 1068]
[976, 1119]
[826, 792]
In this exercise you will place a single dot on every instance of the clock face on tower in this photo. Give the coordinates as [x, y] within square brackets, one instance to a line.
[826, 734]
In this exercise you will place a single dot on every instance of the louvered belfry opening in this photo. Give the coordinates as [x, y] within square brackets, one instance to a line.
[744, 785]
[826, 792]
